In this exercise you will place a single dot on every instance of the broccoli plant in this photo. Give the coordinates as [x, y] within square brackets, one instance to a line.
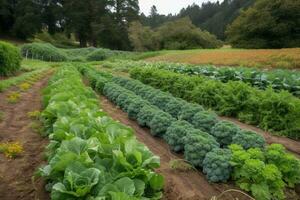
[188, 111]
[175, 134]
[224, 131]
[248, 139]
[216, 165]
[146, 114]
[174, 106]
[205, 120]
[197, 145]
[287, 163]
[160, 123]
[135, 107]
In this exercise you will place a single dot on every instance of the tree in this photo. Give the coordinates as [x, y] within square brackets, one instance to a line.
[268, 24]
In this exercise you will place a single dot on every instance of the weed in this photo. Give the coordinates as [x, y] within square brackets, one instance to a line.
[37, 127]
[181, 165]
[24, 86]
[34, 114]
[11, 150]
[13, 97]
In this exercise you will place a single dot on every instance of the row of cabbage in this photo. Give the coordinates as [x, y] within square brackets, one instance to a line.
[288, 80]
[276, 112]
[91, 156]
[221, 149]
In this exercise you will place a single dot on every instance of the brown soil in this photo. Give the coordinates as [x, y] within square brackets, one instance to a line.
[16, 182]
[180, 185]
[291, 145]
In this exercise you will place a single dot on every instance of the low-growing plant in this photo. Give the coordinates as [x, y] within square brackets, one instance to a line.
[249, 139]
[24, 86]
[13, 97]
[34, 114]
[174, 107]
[197, 145]
[224, 131]
[160, 123]
[11, 150]
[146, 115]
[181, 165]
[216, 165]
[175, 135]
[205, 120]
[188, 111]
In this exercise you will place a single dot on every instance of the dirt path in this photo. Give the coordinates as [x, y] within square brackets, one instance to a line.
[180, 185]
[291, 145]
[16, 174]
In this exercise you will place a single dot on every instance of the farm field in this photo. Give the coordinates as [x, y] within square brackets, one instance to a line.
[261, 58]
[40, 109]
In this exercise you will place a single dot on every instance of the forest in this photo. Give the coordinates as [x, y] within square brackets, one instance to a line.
[99, 23]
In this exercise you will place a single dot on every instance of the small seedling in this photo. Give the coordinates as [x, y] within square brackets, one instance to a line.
[180, 165]
[11, 150]
[34, 114]
[24, 86]
[13, 97]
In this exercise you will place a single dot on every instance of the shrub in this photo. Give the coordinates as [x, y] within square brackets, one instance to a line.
[205, 120]
[10, 59]
[216, 165]
[160, 123]
[146, 114]
[224, 131]
[176, 133]
[248, 139]
[197, 145]
[188, 111]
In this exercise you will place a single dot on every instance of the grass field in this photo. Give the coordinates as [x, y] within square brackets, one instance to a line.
[263, 58]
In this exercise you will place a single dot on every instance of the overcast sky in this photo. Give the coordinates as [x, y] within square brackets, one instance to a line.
[167, 6]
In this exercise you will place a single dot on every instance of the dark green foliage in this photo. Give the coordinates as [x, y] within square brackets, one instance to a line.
[146, 114]
[270, 110]
[43, 51]
[135, 107]
[160, 123]
[216, 165]
[224, 131]
[174, 106]
[287, 163]
[99, 55]
[175, 135]
[197, 145]
[10, 59]
[189, 110]
[249, 139]
[268, 24]
[205, 120]
[161, 100]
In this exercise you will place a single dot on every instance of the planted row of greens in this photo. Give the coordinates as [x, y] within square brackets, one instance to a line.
[26, 77]
[219, 148]
[91, 156]
[276, 112]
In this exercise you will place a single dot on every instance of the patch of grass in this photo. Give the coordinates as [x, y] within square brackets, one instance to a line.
[13, 97]
[34, 114]
[180, 165]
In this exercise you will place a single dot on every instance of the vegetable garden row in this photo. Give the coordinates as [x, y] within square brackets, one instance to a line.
[219, 148]
[276, 112]
[90, 156]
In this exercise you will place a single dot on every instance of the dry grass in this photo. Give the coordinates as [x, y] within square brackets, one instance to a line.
[264, 58]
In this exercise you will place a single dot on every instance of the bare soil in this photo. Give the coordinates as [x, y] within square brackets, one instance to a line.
[180, 184]
[16, 175]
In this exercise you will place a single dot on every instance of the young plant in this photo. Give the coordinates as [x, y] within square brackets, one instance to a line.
[11, 150]
[34, 114]
[24, 86]
[13, 97]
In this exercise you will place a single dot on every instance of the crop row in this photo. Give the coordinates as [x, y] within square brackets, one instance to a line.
[262, 79]
[219, 148]
[276, 112]
[28, 76]
[91, 156]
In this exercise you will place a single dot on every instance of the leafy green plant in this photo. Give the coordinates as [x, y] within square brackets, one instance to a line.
[205, 120]
[188, 111]
[224, 131]
[13, 97]
[146, 115]
[174, 107]
[249, 139]
[175, 135]
[216, 165]
[10, 59]
[197, 145]
[135, 107]
[160, 123]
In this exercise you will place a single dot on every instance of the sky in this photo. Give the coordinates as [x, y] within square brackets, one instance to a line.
[167, 6]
